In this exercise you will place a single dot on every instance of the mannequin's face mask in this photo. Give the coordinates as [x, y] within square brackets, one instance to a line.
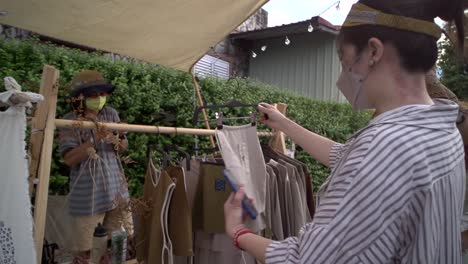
[96, 101]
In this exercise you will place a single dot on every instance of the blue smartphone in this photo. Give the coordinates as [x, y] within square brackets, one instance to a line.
[246, 205]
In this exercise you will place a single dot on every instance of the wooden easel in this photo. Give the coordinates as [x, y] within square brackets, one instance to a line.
[41, 143]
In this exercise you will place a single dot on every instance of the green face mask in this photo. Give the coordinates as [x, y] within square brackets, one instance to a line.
[96, 104]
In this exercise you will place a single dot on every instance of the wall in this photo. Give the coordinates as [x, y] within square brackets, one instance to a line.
[308, 66]
[7, 32]
[237, 56]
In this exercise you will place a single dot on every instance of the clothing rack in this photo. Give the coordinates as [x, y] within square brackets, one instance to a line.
[44, 124]
[60, 123]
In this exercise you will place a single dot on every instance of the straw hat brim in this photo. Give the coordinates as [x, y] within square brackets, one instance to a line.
[89, 89]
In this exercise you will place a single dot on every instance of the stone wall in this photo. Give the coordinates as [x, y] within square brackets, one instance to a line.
[7, 32]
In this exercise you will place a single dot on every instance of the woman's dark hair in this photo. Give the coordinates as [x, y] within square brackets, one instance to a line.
[418, 52]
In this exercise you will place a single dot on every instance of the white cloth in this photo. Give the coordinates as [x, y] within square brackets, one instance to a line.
[243, 157]
[16, 227]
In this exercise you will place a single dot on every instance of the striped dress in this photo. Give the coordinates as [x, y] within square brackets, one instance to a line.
[395, 194]
[96, 186]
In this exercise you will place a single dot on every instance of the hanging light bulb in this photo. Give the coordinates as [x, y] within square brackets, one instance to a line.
[287, 41]
[338, 6]
[264, 47]
[310, 28]
[254, 55]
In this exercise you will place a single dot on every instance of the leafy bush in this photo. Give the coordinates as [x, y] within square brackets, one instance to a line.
[454, 70]
[153, 95]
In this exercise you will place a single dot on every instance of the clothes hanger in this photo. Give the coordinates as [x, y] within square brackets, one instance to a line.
[164, 154]
[183, 154]
[221, 118]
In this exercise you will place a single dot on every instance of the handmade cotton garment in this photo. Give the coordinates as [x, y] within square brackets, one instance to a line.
[241, 152]
[395, 194]
[180, 214]
[153, 243]
[16, 236]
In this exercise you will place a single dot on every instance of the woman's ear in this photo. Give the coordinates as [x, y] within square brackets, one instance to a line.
[376, 49]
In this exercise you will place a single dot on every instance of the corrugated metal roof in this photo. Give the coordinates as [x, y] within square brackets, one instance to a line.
[318, 23]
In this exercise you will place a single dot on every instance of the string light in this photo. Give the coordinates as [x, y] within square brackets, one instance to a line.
[310, 27]
[335, 4]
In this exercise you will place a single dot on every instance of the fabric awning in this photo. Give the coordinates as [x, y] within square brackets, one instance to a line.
[173, 33]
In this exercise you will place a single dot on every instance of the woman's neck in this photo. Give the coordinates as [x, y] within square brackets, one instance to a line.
[403, 89]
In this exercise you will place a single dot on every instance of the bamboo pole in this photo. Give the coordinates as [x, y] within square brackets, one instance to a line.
[59, 123]
[50, 90]
[200, 102]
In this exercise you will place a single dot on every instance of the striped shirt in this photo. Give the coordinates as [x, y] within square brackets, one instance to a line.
[395, 194]
[96, 186]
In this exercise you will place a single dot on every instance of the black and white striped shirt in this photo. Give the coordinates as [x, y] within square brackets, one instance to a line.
[395, 194]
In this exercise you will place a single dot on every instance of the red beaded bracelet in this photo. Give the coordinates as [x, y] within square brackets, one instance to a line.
[240, 233]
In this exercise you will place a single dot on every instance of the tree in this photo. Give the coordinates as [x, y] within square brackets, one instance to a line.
[454, 67]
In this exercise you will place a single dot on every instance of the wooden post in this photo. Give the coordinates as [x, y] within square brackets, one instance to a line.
[200, 103]
[38, 125]
[49, 89]
[278, 142]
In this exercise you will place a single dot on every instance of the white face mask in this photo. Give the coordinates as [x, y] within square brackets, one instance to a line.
[351, 85]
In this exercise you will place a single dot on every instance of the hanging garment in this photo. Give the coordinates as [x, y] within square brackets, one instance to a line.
[218, 248]
[241, 152]
[284, 193]
[272, 206]
[212, 193]
[298, 204]
[180, 215]
[16, 236]
[302, 169]
[153, 244]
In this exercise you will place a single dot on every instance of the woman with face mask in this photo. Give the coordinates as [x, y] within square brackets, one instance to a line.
[98, 189]
[396, 189]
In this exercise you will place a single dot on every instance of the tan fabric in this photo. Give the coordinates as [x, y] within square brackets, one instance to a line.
[284, 193]
[171, 33]
[218, 248]
[192, 178]
[180, 215]
[361, 14]
[212, 193]
[153, 244]
[112, 221]
[273, 207]
[242, 154]
[298, 218]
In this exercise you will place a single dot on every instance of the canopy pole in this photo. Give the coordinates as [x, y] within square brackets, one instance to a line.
[61, 123]
[200, 102]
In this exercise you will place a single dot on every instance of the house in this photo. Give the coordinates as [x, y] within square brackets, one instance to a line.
[299, 57]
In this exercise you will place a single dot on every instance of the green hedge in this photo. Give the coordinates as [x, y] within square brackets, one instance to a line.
[154, 95]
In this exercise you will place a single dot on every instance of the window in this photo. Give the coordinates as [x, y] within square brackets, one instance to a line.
[210, 66]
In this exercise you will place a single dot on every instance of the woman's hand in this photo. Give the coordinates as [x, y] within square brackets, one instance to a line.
[233, 212]
[272, 117]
